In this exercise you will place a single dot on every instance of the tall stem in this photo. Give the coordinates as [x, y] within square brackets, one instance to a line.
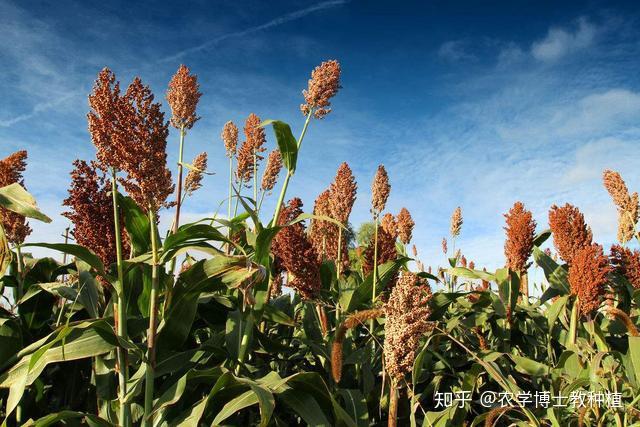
[230, 200]
[255, 176]
[120, 311]
[285, 184]
[19, 293]
[393, 405]
[375, 271]
[153, 316]
[176, 223]
[375, 258]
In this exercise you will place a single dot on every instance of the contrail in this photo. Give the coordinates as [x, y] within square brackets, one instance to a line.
[37, 109]
[273, 23]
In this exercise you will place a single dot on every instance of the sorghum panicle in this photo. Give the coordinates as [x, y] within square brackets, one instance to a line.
[380, 190]
[588, 277]
[91, 212]
[295, 253]
[626, 203]
[405, 225]
[230, 138]
[193, 181]
[342, 194]
[386, 251]
[407, 313]
[15, 225]
[323, 85]
[110, 119]
[570, 232]
[148, 180]
[627, 263]
[249, 152]
[389, 225]
[274, 165]
[183, 96]
[520, 232]
[456, 222]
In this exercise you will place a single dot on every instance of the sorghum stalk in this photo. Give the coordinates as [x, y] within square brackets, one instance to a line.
[230, 202]
[120, 310]
[153, 315]
[375, 258]
[393, 404]
[375, 268]
[19, 291]
[255, 176]
[285, 184]
[176, 222]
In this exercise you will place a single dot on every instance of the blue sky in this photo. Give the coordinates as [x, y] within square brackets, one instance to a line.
[465, 104]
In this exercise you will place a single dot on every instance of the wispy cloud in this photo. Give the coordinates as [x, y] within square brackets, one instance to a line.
[37, 109]
[562, 41]
[455, 50]
[292, 16]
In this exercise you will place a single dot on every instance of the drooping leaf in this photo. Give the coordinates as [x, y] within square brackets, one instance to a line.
[16, 199]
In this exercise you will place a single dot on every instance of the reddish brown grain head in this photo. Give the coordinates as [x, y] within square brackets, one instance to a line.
[588, 277]
[380, 190]
[342, 194]
[230, 138]
[193, 181]
[295, 253]
[91, 212]
[323, 85]
[626, 203]
[570, 231]
[148, 179]
[387, 251]
[407, 313]
[250, 150]
[183, 96]
[520, 230]
[15, 225]
[405, 226]
[110, 119]
[274, 165]
[390, 225]
[445, 249]
[627, 263]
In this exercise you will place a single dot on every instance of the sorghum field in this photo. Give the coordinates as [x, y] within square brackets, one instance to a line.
[279, 318]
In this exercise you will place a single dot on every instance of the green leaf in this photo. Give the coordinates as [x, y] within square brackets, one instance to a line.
[352, 300]
[556, 274]
[471, 274]
[16, 199]
[541, 237]
[634, 355]
[245, 400]
[136, 224]
[190, 236]
[5, 252]
[355, 406]
[287, 143]
[78, 251]
[55, 419]
[528, 366]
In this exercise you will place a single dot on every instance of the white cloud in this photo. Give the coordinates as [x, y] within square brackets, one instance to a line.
[560, 41]
[455, 50]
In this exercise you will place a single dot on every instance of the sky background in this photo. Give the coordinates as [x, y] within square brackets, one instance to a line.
[468, 104]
